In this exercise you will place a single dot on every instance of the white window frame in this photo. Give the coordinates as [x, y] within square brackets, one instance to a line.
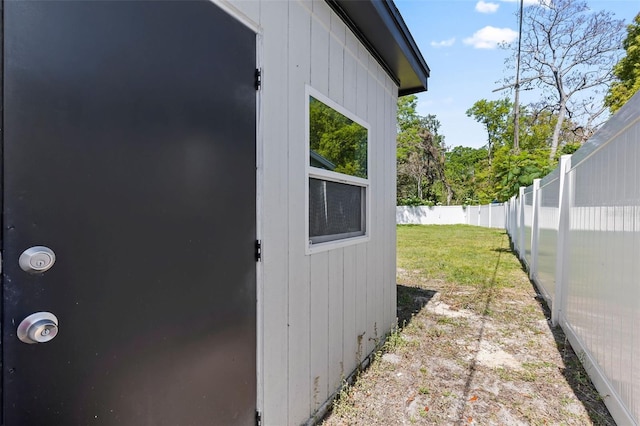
[328, 175]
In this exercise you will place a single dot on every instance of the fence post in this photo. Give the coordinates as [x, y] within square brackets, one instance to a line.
[507, 215]
[562, 269]
[533, 268]
[521, 251]
[489, 215]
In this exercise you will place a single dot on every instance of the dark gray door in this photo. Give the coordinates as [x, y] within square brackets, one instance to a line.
[129, 150]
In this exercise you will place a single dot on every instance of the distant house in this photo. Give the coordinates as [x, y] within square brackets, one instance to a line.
[198, 206]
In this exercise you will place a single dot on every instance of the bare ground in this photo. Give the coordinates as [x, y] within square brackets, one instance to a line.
[471, 356]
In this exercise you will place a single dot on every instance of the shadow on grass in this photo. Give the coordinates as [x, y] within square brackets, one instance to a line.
[487, 294]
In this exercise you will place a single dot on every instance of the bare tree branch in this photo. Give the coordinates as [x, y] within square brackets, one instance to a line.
[567, 53]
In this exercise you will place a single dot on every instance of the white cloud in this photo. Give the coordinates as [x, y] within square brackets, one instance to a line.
[489, 37]
[483, 7]
[443, 43]
[526, 2]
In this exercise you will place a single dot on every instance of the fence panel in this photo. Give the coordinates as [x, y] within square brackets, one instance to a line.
[490, 215]
[587, 266]
[548, 217]
[435, 215]
[528, 222]
[484, 216]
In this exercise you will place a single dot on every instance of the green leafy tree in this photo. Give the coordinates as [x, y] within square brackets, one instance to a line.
[510, 169]
[537, 125]
[627, 70]
[420, 156]
[494, 115]
[513, 170]
[466, 171]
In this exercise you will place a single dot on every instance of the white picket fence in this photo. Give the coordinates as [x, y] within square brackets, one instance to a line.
[578, 232]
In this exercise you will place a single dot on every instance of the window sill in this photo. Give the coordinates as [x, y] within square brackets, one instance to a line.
[331, 245]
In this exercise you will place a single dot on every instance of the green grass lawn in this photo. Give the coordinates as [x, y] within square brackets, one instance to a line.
[462, 254]
[473, 344]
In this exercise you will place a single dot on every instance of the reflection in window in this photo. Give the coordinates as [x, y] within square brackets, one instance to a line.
[336, 143]
[338, 176]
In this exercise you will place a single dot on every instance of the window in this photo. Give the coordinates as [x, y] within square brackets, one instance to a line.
[338, 175]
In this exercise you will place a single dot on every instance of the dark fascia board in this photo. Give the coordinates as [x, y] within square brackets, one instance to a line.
[380, 27]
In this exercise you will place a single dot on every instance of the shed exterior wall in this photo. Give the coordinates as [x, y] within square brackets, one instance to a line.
[320, 314]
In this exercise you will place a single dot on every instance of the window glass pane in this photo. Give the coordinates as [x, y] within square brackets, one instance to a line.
[336, 142]
[336, 210]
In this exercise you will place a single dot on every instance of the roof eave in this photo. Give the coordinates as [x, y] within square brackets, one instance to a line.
[380, 27]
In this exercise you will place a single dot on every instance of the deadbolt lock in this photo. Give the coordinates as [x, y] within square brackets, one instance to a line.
[40, 327]
[36, 260]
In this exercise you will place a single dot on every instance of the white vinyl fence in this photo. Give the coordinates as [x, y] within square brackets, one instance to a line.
[489, 216]
[578, 232]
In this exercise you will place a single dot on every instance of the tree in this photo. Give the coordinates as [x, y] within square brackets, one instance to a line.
[495, 117]
[537, 124]
[420, 153]
[627, 71]
[566, 52]
[513, 170]
[466, 171]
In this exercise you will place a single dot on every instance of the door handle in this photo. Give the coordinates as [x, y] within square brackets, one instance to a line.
[40, 327]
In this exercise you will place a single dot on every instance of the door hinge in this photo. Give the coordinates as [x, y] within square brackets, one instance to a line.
[258, 250]
[258, 418]
[258, 76]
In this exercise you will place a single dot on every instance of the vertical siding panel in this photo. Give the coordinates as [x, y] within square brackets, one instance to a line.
[350, 342]
[319, 56]
[299, 64]
[349, 338]
[275, 235]
[336, 70]
[352, 44]
[392, 220]
[386, 252]
[373, 273]
[362, 84]
[319, 323]
[338, 28]
[390, 234]
[350, 81]
[336, 309]
[322, 11]
[362, 271]
[361, 302]
[380, 171]
[336, 59]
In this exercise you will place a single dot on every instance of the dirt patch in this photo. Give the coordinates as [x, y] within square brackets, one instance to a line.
[471, 356]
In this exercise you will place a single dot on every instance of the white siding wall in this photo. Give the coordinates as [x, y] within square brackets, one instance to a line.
[320, 314]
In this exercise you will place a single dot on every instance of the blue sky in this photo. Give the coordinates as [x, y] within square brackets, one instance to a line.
[458, 40]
